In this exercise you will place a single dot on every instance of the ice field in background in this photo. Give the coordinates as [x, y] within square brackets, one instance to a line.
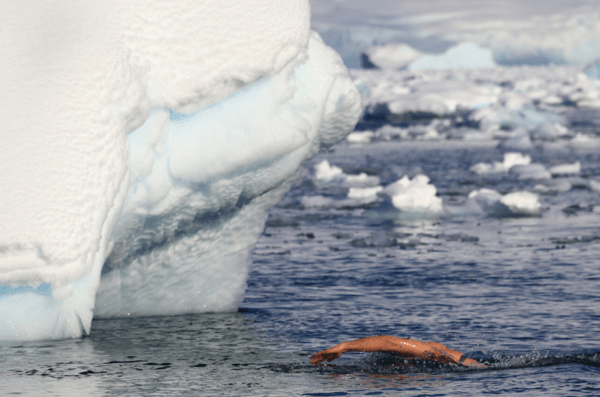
[516, 32]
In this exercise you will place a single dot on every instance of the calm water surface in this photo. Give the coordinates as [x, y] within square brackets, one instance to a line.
[521, 294]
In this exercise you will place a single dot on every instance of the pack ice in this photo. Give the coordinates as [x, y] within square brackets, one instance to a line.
[142, 145]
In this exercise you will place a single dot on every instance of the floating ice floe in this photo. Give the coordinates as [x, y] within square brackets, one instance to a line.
[495, 204]
[414, 196]
[573, 168]
[325, 172]
[356, 197]
[361, 180]
[360, 138]
[594, 185]
[584, 143]
[510, 160]
[517, 142]
[553, 186]
[143, 148]
[531, 171]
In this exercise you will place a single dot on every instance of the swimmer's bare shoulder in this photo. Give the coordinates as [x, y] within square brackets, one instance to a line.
[409, 348]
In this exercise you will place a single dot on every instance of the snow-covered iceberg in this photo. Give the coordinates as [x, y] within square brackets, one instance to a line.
[142, 145]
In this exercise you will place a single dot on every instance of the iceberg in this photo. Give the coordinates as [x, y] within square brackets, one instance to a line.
[143, 145]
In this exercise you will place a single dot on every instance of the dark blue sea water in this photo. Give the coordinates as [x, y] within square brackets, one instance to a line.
[521, 294]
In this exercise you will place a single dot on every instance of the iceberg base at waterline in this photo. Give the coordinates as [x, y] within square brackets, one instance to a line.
[178, 225]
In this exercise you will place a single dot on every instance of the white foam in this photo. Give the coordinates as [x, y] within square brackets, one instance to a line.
[229, 97]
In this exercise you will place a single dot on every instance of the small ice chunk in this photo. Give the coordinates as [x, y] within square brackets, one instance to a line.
[416, 195]
[574, 168]
[550, 131]
[531, 171]
[510, 159]
[325, 172]
[360, 138]
[581, 142]
[317, 201]
[595, 186]
[522, 203]
[514, 158]
[360, 180]
[487, 199]
[513, 204]
[553, 186]
[362, 193]
[519, 142]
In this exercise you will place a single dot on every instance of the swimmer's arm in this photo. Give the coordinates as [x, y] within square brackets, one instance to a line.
[406, 347]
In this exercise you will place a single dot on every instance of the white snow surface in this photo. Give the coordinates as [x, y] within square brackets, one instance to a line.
[144, 143]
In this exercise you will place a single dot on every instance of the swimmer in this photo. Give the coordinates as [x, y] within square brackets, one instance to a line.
[407, 348]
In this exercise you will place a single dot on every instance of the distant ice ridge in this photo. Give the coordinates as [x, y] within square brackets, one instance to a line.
[402, 56]
[516, 31]
[142, 147]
